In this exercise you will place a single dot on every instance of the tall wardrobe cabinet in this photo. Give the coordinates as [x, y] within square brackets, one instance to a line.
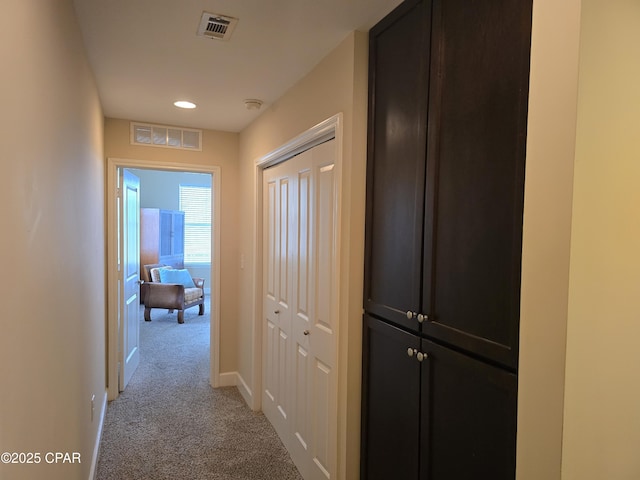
[448, 93]
[161, 237]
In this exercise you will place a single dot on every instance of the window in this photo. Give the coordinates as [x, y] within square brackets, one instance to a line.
[195, 202]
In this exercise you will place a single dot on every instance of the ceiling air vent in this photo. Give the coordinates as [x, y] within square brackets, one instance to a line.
[218, 27]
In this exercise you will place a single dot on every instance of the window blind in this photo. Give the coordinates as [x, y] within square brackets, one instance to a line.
[195, 202]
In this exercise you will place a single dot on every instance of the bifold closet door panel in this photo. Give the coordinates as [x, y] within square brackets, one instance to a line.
[391, 403]
[475, 174]
[399, 82]
[469, 412]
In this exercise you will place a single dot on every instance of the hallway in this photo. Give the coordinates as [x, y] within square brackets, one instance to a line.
[169, 423]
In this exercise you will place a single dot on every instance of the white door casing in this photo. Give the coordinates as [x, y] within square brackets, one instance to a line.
[129, 277]
[308, 362]
[114, 249]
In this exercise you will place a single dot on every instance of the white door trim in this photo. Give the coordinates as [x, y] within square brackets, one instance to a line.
[112, 271]
[329, 128]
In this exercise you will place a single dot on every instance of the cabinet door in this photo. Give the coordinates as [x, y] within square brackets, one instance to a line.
[391, 403]
[399, 84]
[171, 238]
[166, 232]
[468, 418]
[177, 244]
[475, 174]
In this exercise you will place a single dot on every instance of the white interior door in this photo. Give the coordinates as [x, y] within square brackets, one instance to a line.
[310, 384]
[129, 276]
[278, 230]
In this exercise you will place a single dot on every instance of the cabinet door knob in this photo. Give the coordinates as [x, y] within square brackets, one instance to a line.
[276, 312]
[409, 314]
[419, 355]
[306, 332]
[422, 318]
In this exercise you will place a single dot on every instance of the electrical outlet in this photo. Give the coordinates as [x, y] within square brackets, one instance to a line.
[93, 405]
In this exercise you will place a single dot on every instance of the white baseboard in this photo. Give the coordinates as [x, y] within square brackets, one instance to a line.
[245, 391]
[228, 379]
[96, 447]
[234, 379]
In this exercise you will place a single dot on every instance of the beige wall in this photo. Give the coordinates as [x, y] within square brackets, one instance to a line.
[602, 394]
[52, 344]
[581, 266]
[546, 237]
[219, 149]
[336, 85]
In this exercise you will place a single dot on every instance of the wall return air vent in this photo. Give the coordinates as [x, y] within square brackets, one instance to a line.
[150, 135]
[217, 27]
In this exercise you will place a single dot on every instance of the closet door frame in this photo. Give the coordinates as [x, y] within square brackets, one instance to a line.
[329, 129]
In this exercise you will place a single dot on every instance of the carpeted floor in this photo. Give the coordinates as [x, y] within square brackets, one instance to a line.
[169, 424]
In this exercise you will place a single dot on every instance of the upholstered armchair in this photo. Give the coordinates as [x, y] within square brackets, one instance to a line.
[172, 289]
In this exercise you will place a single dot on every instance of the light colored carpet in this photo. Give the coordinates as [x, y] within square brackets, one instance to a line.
[170, 424]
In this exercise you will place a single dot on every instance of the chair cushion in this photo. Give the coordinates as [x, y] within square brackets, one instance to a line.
[191, 294]
[179, 276]
[155, 273]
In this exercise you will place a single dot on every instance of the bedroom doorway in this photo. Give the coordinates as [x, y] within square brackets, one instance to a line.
[158, 181]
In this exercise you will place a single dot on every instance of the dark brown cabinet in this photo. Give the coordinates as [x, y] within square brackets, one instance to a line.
[468, 415]
[445, 187]
[475, 175]
[398, 86]
[432, 412]
[448, 110]
[391, 434]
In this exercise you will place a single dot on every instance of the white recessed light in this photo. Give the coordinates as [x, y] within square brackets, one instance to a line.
[184, 104]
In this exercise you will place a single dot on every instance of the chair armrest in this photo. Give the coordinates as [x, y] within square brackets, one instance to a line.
[199, 282]
[164, 295]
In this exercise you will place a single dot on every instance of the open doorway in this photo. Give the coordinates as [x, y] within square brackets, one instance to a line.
[160, 188]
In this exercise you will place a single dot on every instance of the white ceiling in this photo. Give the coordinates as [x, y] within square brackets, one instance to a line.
[145, 54]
